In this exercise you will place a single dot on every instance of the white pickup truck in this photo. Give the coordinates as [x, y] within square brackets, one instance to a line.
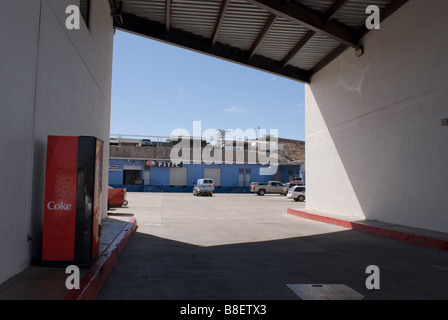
[270, 187]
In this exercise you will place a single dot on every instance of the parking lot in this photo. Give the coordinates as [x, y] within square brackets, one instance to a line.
[221, 219]
[243, 246]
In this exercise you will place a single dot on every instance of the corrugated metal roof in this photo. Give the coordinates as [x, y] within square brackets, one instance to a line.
[310, 55]
[198, 17]
[319, 6]
[287, 38]
[281, 39]
[153, 10]
[242, 24]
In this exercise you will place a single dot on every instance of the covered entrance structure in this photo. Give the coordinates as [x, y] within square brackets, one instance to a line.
[375, 97]
[376, 110]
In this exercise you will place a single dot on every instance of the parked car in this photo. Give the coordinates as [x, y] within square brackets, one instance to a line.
[270, 187]
[204, 187]
[145, 142]
[116, 197]
[289, 185]
[202, 190]
[297, 193]
[206, 182]
[253, 184]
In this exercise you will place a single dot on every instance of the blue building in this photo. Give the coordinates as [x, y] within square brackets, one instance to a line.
[163, 176]
[146, 168]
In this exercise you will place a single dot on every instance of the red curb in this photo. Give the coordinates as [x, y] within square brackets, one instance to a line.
[421, 240]
[93, 280]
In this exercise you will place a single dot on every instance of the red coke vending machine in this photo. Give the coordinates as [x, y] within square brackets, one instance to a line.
[73, 193]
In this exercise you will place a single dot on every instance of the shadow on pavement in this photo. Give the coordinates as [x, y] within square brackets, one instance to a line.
[157, 268]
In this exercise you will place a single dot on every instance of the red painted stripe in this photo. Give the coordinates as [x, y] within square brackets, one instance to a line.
[417, 239]
[93, 280]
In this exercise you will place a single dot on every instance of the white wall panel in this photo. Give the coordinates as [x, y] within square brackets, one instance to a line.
[375, 144]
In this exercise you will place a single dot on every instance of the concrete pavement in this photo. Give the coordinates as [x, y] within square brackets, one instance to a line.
[241, 246]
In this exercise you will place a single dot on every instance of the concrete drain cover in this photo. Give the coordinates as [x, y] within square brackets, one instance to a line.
[325, 292]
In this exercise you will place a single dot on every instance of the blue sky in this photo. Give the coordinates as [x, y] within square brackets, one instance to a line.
[158, 88]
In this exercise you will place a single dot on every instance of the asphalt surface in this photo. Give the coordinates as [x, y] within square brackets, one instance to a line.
[242, 246]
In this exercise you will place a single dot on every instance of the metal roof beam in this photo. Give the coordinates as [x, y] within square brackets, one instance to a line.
[167, 15]
[310, 19]
[297, 48]
[327, 17]
[116, 9]
[180, 38]
[263, 34]
[222, 14]
[338, 5]
[333, 55]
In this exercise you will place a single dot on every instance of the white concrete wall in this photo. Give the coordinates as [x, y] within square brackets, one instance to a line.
[18, 56]
[53, 81]
[375, 144]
